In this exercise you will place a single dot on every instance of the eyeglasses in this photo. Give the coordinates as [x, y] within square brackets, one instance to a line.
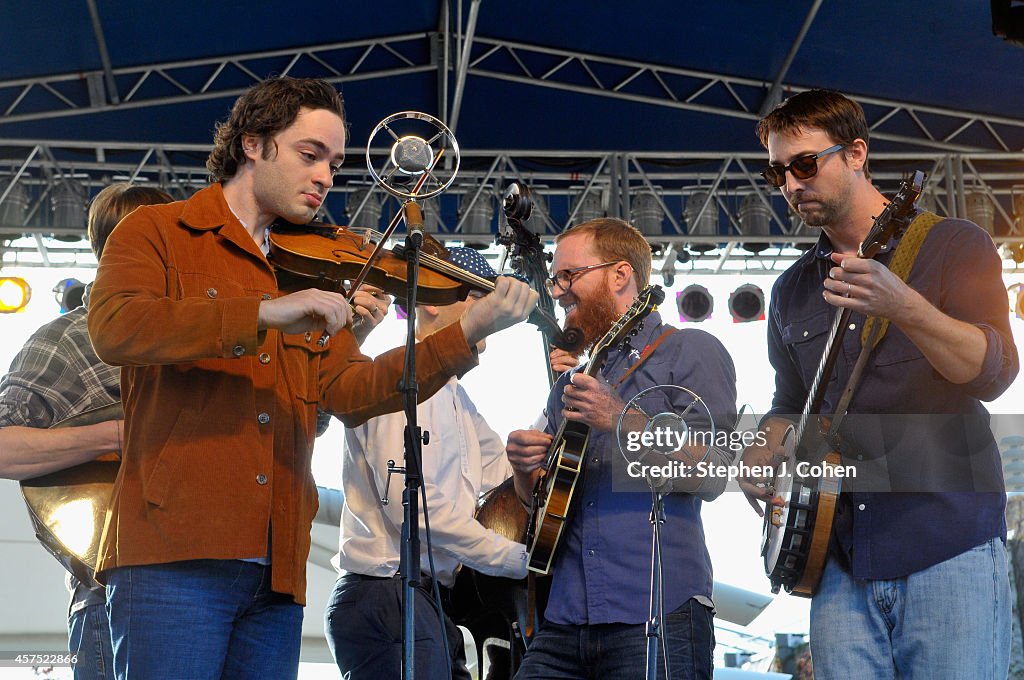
[802, 167]
[565, 278]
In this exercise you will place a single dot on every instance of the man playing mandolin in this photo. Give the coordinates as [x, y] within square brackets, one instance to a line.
[600, 591]
[915, 584]
[205, 544]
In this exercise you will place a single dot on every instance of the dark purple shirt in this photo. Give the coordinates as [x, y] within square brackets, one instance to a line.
[601, 572]
[930, 436]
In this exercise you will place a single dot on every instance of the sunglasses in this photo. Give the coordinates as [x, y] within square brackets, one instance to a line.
[802, 167]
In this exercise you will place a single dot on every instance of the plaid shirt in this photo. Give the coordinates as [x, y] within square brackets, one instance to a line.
[57, 375]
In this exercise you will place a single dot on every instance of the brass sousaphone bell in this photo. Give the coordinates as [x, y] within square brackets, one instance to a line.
[68, 507]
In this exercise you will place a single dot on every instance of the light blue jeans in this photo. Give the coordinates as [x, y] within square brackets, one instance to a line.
[202, 620]
[89, 637]
[950, 621]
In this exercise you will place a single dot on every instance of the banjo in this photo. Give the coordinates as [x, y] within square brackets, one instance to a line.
[796, 536]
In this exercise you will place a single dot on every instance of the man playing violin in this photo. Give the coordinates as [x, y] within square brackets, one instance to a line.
[915, 584]
[600, 591]
[205, 544]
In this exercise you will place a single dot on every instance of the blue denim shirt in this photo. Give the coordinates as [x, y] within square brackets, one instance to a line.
[932, 435]
[601, 572]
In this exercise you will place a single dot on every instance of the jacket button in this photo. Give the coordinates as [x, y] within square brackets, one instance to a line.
[238, 350]
[309, 336]
[264, 358]
[211, 293]
[264, 418]
[261, 479]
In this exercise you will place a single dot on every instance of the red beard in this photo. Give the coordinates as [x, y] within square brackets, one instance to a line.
[594, 317]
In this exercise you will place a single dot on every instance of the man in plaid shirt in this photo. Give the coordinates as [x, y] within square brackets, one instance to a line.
[56, 376]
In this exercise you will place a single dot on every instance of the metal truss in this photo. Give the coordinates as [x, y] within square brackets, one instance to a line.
[703, 210]
[72, 94]
[724, 95]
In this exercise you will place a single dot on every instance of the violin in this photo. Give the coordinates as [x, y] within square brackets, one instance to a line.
[326, 256]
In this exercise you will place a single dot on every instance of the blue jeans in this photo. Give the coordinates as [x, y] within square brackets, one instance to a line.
[950, 621]
[364, 631]
[619, 650]
[89, 637]
[202, 620]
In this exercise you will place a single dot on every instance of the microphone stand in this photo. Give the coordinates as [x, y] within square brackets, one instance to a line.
[656, 623]
[409, 562]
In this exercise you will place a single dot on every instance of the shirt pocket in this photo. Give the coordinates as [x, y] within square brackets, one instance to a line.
[805, 340]
[300, 356]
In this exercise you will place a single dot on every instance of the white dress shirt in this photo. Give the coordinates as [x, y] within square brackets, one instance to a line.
[463, 459]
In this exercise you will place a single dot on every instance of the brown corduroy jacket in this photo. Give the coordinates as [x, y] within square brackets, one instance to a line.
[220, 418]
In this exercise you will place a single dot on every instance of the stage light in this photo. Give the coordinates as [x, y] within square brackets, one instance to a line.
[746, 303]
[14, 294]
[707, 225]
[588, 206]
[69, 209]
[755, 218]
[476, 218]
[980, 210]
[646, 214]
[69, 294]
[694, 303]
[14, 209]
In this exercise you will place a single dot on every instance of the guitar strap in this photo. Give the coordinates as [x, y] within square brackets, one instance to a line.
[902, 262]
[648, 351]
[874, 328]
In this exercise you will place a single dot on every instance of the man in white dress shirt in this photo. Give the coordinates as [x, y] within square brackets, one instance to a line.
[463, 458]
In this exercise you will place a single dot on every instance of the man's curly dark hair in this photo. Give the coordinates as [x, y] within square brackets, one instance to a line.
[265, 110]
